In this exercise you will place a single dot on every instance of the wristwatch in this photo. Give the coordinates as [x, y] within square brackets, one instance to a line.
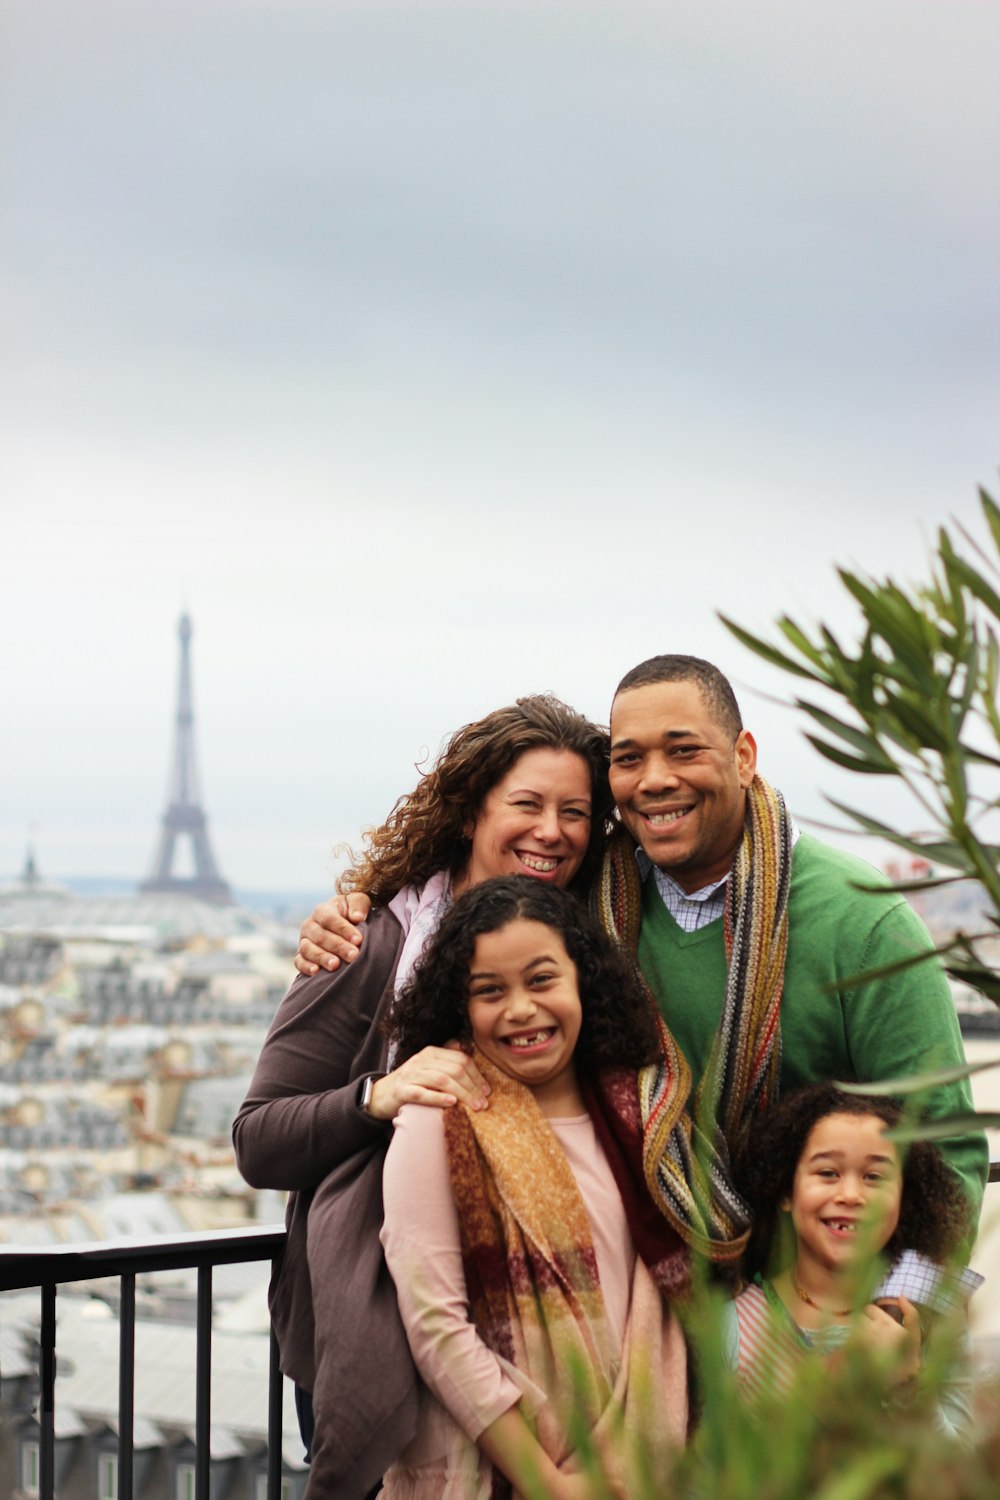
[365, 1092]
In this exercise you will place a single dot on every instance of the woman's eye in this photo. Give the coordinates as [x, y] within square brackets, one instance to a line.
[578, 813]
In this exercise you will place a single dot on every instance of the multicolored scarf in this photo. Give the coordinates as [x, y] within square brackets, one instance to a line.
[532, 1275]
[688, 1152]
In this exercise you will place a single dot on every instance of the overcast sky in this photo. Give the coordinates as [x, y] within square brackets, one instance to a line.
[430, 354]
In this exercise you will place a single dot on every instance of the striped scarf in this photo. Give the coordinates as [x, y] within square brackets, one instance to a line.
[533, 1284]
[688, 1153]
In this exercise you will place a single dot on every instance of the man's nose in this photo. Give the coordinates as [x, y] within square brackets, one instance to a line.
[658, 774]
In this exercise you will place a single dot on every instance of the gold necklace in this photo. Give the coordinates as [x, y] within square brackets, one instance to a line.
[828, 1312]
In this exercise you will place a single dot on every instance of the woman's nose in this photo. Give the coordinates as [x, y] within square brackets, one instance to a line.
[547, 825]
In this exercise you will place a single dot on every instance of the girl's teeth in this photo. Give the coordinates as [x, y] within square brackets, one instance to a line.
[527, 1041]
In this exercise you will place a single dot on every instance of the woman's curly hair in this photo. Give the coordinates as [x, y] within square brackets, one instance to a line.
[933, 1215]
[426, 830]
[619, 1026]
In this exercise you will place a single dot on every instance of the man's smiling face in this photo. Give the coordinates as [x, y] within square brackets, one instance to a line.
[680, 780]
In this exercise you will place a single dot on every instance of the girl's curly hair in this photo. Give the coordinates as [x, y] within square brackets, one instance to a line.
[933, 1215]
[619, 1026]
[425, 831]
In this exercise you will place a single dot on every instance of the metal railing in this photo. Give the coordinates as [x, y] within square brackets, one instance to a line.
[50, 1266]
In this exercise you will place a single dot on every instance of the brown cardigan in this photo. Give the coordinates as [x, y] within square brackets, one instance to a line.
[333, 1304]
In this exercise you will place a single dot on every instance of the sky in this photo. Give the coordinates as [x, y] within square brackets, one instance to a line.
[434, 353]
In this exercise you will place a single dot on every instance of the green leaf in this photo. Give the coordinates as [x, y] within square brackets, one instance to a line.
[899, 627]
[911, 714]
[864, 1475]
[769, 653]
[938, 853]
[978, 977]
[992, 514]
[942, 1130]
[865, 743]
[916, 1083]
[905, 887]
[977, 584]
[850, 762]
[802, 643]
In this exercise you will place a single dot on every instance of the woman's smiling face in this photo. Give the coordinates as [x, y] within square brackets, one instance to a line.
[524, 1009]
[534, 821]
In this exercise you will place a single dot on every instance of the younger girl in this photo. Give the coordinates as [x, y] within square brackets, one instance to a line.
[828, 1193]
[530, 1261]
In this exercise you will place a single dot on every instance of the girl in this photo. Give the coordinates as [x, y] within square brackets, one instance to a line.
[529, 1258]
[829, 1192]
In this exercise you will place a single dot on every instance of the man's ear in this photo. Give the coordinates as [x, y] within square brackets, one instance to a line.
[745, 751]
[786, 1204]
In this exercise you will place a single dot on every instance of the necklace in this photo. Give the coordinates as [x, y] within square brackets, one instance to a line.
[829, 1312]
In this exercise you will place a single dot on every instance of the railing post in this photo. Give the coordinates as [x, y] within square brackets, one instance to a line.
[47, 1396]
[126, 1385]
[203, 1388]
[275, 1409]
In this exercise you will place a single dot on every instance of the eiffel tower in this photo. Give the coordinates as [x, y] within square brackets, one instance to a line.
[184, 815]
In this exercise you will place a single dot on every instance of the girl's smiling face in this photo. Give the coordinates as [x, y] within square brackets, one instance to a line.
[846, 1193]
[524, 1009]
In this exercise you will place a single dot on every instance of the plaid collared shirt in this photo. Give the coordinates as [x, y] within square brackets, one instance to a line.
[691, 910]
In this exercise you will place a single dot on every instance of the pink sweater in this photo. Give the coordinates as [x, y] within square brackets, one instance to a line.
[467, 1386]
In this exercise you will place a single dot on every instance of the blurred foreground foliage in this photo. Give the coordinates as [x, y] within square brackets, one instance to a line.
[839, 1435]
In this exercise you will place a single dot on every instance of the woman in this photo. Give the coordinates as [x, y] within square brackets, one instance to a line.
[521, 791]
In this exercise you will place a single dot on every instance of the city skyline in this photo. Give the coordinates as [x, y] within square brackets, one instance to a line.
[429, 354]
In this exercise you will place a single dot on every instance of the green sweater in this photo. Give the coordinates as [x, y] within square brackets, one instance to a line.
[883, 1028]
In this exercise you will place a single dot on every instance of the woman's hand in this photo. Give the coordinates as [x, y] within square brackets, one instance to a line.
[898, 1343]
[441, 1076]
[330, 936]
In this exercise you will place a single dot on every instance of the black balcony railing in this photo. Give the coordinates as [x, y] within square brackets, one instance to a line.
[48, 1267]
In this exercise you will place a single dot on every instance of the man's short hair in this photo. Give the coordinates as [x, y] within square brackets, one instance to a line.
[715, 689]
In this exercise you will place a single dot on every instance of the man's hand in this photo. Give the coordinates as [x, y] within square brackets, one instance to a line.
[330, 936]
[437, 1075]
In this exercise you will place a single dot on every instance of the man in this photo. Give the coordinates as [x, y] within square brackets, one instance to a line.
[683, 774]
[757, 998]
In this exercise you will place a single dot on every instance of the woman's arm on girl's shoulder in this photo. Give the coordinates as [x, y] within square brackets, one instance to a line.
[300, 1117]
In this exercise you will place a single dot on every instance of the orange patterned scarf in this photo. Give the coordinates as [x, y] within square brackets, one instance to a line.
[532, 1276]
